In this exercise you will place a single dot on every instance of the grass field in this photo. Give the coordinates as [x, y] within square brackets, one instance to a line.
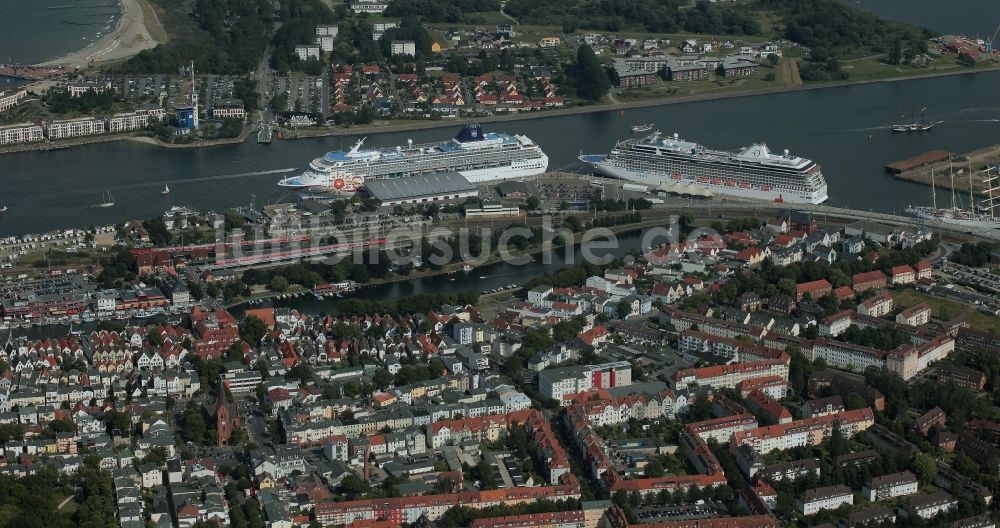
[948, 310]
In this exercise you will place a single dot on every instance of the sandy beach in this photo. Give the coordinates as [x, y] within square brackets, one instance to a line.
[130, 37]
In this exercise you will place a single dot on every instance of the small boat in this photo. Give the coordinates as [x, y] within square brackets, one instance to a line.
[109, 201]
[642, 127]
[165, 191]
[3, 209]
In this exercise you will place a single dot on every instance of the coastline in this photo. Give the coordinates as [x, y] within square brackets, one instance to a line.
[645, 103]
[390, 126]
[130, 36]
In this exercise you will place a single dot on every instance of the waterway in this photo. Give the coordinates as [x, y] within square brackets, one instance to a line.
[845, 128]
[484, 278]
[966, 17]
[33, 31]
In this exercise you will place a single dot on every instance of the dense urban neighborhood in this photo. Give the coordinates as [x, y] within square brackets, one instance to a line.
[473, 333]
[778, 372]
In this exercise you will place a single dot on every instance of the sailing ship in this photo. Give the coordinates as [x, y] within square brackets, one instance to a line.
[978, 216]
[108, 201]
[913, 125]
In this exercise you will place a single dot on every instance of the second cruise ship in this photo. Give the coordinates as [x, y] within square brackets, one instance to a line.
[672, 164]
[478, 156]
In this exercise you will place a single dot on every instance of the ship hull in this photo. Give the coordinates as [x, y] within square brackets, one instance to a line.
[665, 183]
[960, 222]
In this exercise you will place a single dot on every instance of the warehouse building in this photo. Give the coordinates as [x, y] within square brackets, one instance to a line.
[421, 188]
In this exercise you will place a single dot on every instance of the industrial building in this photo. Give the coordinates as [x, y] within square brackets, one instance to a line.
[421, 188]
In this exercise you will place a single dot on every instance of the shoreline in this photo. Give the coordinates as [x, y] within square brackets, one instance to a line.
[645, 103]
[389, 127]
[130, 36]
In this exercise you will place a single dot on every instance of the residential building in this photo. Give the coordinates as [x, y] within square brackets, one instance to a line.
[928, 505]
[728, 376]
[827, 498]
[868, 281]
[125, 122]
[929, 420]
[902, 275]
[403, 47]
[21, 133]
[961, 376]
[9, 100]
[307, 51]
[877, 306]
[559, 382]
[816, 289]
[805, 432]
[916, 315]
[84, 126]
[889, 486]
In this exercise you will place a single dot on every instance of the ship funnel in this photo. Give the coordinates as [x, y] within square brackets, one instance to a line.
[786, 153]
[676, 135]
[409, 143]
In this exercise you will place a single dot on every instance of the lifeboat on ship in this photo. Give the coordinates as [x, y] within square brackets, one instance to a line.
[745, 185]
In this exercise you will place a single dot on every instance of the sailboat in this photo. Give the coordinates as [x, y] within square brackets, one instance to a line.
[109, 201]
[913, 125]
[3, 209]
[165, 191]
[956, 215]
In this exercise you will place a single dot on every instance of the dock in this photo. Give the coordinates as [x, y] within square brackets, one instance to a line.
[264, 134]
[916, 162]
[918, 169]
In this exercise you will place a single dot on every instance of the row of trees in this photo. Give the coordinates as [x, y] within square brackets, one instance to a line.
[658, 16]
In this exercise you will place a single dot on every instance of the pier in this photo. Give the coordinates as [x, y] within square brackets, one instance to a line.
[976, 162]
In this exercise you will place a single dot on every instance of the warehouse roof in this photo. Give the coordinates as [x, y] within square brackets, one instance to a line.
[418, 185]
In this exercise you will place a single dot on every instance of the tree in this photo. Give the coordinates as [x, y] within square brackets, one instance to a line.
[382, 379]
[654, 468]
[925, 468]
[278, 283]
[252, 330]
[896, 51]
[532, 203]
[773, 59]
[589, 77]
[353, 486]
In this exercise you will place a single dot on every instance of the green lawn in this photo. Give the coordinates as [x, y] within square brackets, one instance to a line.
[948, 310]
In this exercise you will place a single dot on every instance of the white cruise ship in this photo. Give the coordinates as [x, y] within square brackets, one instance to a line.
[476, 155]
[671, 164]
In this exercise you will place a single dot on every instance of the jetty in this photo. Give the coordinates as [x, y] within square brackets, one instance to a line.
[927, 158]
[264, 134]
[919, 168]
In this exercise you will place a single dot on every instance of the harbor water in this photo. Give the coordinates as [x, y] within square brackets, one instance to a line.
[844, 128]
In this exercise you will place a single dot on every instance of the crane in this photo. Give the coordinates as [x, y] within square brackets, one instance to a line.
[989, 43]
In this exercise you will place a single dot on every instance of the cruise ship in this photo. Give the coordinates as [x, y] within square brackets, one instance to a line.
[478, 156]
[671, 164]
